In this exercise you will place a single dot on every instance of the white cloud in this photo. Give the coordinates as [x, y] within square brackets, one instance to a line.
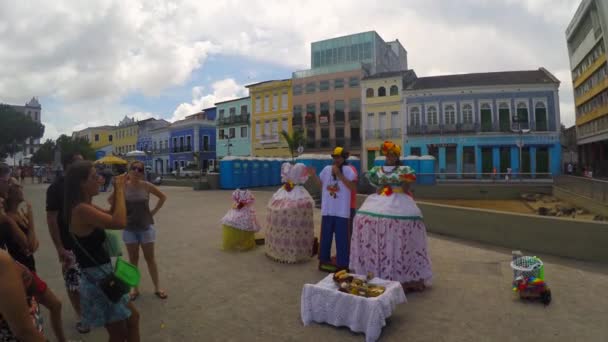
[89, 55]
[223, 90]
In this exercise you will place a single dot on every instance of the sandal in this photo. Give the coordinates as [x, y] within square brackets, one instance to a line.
[161, 294]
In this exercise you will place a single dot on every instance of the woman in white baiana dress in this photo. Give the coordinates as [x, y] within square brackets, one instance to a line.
[289, 220]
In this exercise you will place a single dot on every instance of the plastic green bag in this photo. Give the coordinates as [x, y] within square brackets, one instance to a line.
[127, 272]
[113, 243]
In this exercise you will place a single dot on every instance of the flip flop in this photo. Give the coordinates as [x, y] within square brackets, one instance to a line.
[161, 294]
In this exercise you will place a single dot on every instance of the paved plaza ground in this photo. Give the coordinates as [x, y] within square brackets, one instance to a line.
[220, 296]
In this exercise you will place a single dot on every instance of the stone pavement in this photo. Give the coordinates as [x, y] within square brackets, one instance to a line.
[219, 296]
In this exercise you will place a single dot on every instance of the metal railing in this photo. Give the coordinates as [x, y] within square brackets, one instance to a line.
[499, 177]
[594, 189]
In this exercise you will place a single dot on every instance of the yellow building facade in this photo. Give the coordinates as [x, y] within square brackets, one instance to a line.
[271, 113]
[125, 136]
[99, 137]
[382, 111]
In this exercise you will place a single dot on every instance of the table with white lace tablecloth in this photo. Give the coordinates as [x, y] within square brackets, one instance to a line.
[323, 303]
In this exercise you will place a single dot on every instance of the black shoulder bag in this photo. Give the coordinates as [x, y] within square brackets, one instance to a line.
[110, 285]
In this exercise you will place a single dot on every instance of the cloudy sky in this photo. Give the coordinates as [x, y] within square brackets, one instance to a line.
[93, 62]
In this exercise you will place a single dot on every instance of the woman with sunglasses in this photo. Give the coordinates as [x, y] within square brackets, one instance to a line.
[140, 230]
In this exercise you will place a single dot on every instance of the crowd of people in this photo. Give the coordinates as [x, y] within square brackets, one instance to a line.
[78, 231]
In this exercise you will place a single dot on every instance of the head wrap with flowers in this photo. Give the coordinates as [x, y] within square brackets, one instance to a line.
[293, 175]
[242, 198]
[390, 147]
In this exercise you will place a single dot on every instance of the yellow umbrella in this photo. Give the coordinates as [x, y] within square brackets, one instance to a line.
[111, 160]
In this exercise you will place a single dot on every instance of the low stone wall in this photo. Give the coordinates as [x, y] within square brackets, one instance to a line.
[529, 233]
[480, 191]
[589, 204]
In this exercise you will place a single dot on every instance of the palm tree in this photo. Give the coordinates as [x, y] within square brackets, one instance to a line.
[295, 140]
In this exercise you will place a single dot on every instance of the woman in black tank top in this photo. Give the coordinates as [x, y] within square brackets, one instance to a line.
[87, 224]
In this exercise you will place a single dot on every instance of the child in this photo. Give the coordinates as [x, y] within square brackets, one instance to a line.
[240, 224]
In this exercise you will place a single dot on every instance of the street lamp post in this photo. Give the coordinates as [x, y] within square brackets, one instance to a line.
[520, 142]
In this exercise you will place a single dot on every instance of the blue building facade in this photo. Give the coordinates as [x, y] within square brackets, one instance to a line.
[477, 123]
[192, 138]
[234, 128]
[145, 139]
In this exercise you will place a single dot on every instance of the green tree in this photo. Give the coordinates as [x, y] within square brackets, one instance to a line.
[16, 129]
[65, 144]
[295, 140]
[45, 154]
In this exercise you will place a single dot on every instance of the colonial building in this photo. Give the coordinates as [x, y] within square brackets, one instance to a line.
[587, 36]
[125, 136]
[327, 97]
[192, 141]
[473, 123]
[271, 114]
[144, 138]
[33, 109]
[100, 136]
[160, 150]
[383, 108]
[233, 128]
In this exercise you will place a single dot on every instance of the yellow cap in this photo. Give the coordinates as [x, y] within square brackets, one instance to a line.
[338, 151]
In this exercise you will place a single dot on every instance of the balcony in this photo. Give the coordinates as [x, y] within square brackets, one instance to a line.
[233, 120]
[297, 120]
[371, 134]
[339, 117]
[269, 139]
[433, 129]
[467, 127]
[395, 133]
[161, 151]
[453, 128]
[415, 130]
[181, 149]
[324, 119]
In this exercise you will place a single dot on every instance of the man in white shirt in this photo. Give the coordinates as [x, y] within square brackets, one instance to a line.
[337, 182]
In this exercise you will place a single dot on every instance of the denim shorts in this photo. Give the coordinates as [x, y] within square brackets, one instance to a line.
[139, 236]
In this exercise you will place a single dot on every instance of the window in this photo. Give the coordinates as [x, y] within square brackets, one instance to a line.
[297, 115]
[370, 121]
[339, 111]
[353, 82]
[415, 116]
[232, 133]
[540, 114]
[324, 113]
[338, 83]
[324, 85]
[504, 113]
[311, 111]
[205, 143]
[297, 89]
[244, 132]
[395, 120]
[266, 103]
[522, 114]
[258, 104]
[467, 114]
[244, 110]
[311, 87]
[354, 110]
[275, 127]
[369, 92]
[221, 134]
[485, 112]
[258, 130]
[232, 111]
[188, 143]
[96, 137]
[221, 113]
[285, 125]
[110, 137]
[266, 128]
[449, 115]
[394, 90]
[381, 91]
[284, 100]
[275, 101]
[382, 121]
[431, 115]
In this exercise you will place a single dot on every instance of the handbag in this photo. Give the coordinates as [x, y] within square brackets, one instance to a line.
[112, 286]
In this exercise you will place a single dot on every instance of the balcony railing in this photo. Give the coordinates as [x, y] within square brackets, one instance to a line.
[180, 149]
[269, 139]
[233, 119]
[310, 119]
[370, 134]
[161, 151]
[395, 132]
[324, 119]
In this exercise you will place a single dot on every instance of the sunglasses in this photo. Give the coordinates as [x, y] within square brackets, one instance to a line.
[138, 169]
